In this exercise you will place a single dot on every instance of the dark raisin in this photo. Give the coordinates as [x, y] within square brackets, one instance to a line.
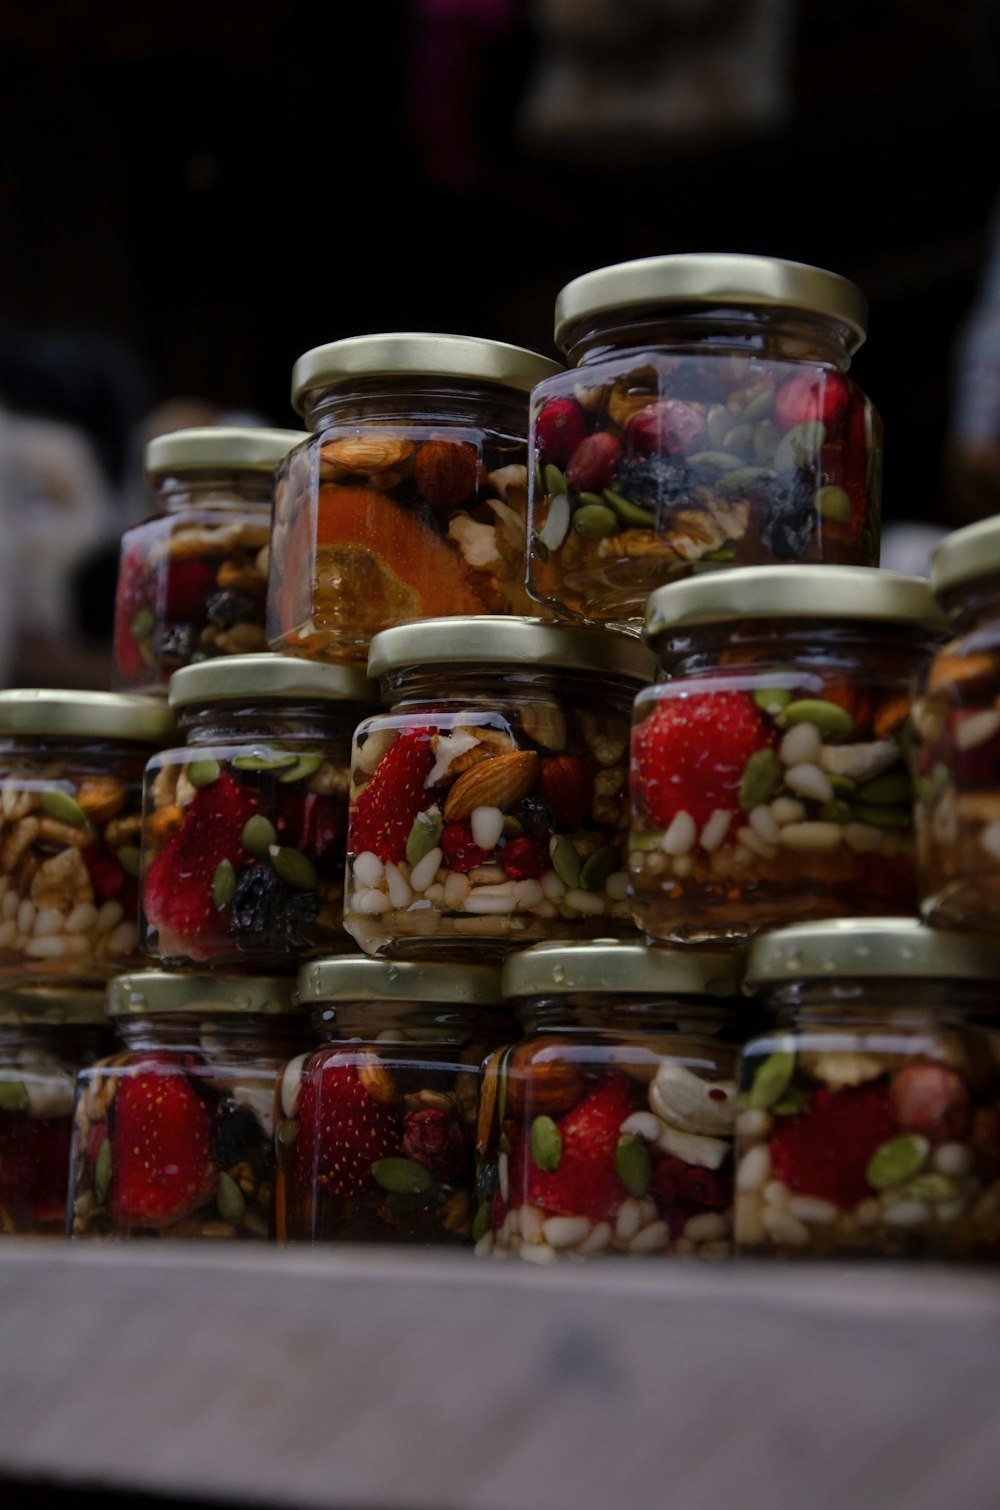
[236, 1134]
[487, 1181]
[654, 481]
[224, 609]
[266, 912]
[180, 641]
[789, 514]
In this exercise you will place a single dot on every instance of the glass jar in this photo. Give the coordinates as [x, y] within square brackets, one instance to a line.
[375, 1141]
[870, 1113]
[708, 421]
[71, 768]
[769, 779]
[245, 828]
[408, 501]
[609, 1126]
[956, 744]
[192, 581]
[46, 1035]
[489, 807]
[173, 1137]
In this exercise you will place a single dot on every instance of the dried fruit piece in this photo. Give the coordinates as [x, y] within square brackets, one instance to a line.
[177, 892]
[592, 464]
[342, 1130]
[566, 783]
[446, 472]
[931, 1099]
[690, 754]
[383, 813]
[434, 1139]
[586, 1182]
[559, 429]
[825, 1150]
[160, 1148]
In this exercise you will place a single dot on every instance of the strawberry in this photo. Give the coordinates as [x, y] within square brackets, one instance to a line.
[342, 1130]
[188, 585]
[586, 1182]
[434, 1139]
[525, 858]
[160, 1148]
[825, 1150]
[593, 463]
[566, 784]
[34, 1160]
[311, 823]
[559, 429]
[461, 852]
[177, 892]
[811, 395]
[690, 753]
[670, 425]
[130, 600]
[383, 813]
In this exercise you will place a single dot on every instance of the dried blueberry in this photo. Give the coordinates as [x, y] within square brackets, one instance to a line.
[179, 640]
[265, 911]
[789, 514]
[236, 1134]
[224, 609]
[534, 816]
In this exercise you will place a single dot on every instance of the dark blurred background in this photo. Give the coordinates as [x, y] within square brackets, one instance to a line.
[193, 195]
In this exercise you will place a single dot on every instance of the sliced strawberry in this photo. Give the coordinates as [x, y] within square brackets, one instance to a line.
[689, 755]
[811, 395]
[586, 1182]
[825, 1150]
[188, 585]
[177, 891]
[342, 1130]
[383, 813]
[161, 1161]
[459, 847]
[525, 858]
[434, 1139]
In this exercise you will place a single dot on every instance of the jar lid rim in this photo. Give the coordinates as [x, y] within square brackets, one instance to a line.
[502, 640]
[265, 675]
[418, 353]
[161, 992]
[97, 715]
[54, 1006]
[966, 555]
[622, 969]
[878, 947]
[360, 977]
[244, 448]
[712, 279]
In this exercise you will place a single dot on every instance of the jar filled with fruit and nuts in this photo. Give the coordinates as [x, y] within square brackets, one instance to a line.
[609, 1127]
[769, 773]
[192, 581]
[173, 1136]
[956, 740]
[245, 828]
[709, 421]
[71, 767]
[489, 807]
[408, 502]
[869, 1122]
[376, 1128]
[47, 1034]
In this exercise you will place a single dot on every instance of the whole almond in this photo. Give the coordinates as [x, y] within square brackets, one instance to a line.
[499, 782]
[367, 453]
[377, 1081]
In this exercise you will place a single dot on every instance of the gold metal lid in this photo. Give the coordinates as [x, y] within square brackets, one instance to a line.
[359, 977]
[721, 279]
[864, 593]
[498, 640]
[74, 1006]
[93, 715]
[417, 354]
[247, 677]
[621, 970]
[858, 947]
[156, 992]
[966, 555]
[220, 447]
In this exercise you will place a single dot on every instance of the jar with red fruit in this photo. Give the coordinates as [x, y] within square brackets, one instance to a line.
[956, 740]
[408, 502]
[708, 421]
[489, 806]
[192, 581]
[173, 1136]
[376, 1128]
[71, 767]
[869, 1122]
[609, 1127]
[47, 1034]
[245, 827]
[769, 771]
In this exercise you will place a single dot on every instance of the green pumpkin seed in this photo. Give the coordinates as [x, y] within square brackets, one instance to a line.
[404, 1203]
[715, 461]
[628, 512]
[882, 817]
[932, 1188]
[644, 843]
[598, 867]
[897, 1161]
[718, 423]
[147, 657]
[894, 787]
[96, 1212]
[13, 1095]
[265, 760]
[546, 1144]
[259, 833]
[762, 776]
[833, 722]
[555, 482]
[424, 834]
[481, 1222]
[592, 500]
[772, 700]
[595, 521]
[565, 860]
[724, 553]
[739, 440]
[836, 812]
[294, 868]
[288, 1131]
[833, 503]
[634, 1165]
[103, 1171]
[761, 407]
[790, 1104]
[512, 828]
[743, 479]
[232, 1206]
[929, 788]
[307, 764]
[540, 548]
[770, 1081]
[539, 479]
[843, 786]
[202, 773]
[402, 1176]
[129, 857]
[143, 624]
[766, 438]
[800, 445]
[870, 548]
[223, 885]
[64, 808]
